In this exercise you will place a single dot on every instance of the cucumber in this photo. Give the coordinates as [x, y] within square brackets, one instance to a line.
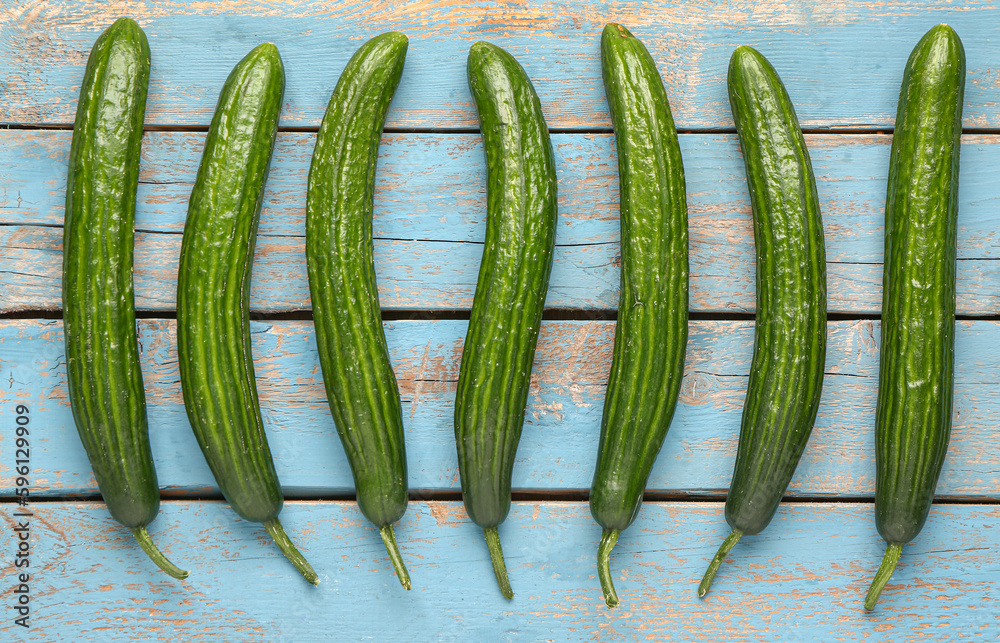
[102, 350]
[651, 335]
[510, 292]
[917, 354]
[213, 294]
[786, 375]
[360, 385]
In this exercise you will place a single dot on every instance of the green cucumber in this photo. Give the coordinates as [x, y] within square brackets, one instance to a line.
[917, 354]
[213, 294]
[360, 385]
[651, 335]
[102, 351]
[786, 376]
[510, 292]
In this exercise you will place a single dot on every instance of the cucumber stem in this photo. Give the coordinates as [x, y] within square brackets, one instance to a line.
[496, 557]
[156, 555]
[889, 560]
[608, 539]
[389, 538]
[713, 567]
[281, 539]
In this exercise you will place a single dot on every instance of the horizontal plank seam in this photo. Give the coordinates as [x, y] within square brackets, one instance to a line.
[312, 129]
[568, 495]
[553, 314]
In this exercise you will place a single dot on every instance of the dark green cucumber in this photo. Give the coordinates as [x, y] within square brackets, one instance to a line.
[102, 351]
[651, 334]
[786, 376]
[510, 293]
[360, 384]
[213, 294]
[917, 354]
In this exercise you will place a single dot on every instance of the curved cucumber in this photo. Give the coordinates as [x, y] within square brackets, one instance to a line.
[786, 376]
[102, 352]
[917, 355]
[651, 336]
[213, 294]
[510, 293]
[360, 384]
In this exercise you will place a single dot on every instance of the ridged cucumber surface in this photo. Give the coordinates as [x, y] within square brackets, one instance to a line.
[360, 384]
[510, 292]
[786, 375]
[651, 334]
[102, 351]
[917, 354]
[213, 294]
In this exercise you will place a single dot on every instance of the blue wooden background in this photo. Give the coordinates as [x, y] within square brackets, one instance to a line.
[804, 578]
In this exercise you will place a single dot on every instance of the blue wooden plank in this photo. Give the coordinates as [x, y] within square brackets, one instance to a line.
[430, 221]
[559, 443]
[802, 579]
[842, 62]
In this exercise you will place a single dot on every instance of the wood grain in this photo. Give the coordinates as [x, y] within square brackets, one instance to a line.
[430, 221]
[559, 442]
[842, 61]
[802, 579]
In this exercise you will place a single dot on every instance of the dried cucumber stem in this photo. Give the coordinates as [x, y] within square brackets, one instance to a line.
[884, 573]
[156, 555]
[389, 538]
[281, 539]
[496, 557]
[713, 567]
[608, 540]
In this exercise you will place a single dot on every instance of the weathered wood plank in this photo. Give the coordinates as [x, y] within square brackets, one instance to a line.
[842, 61]
[430, 221]
[802, 579]
[559, 442]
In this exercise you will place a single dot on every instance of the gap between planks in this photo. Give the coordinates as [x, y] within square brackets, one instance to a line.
[554, 314]
[312, 129]
[565, 495]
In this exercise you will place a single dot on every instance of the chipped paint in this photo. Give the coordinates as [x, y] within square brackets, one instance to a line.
[45, 44]
[427, 252]
[563, 416]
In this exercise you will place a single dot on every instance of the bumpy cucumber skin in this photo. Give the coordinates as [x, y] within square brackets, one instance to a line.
[213, 293]
[513, 280]
[916, 370]
[651, 335]
[102, 352]
[360, 384]
[786, 375]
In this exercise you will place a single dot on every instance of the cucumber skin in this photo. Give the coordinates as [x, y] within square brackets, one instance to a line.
[213, 290]
[916, 371]
[102, 352]
[513, 280]
[786, 375]
[360, 384]
[651, 334]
